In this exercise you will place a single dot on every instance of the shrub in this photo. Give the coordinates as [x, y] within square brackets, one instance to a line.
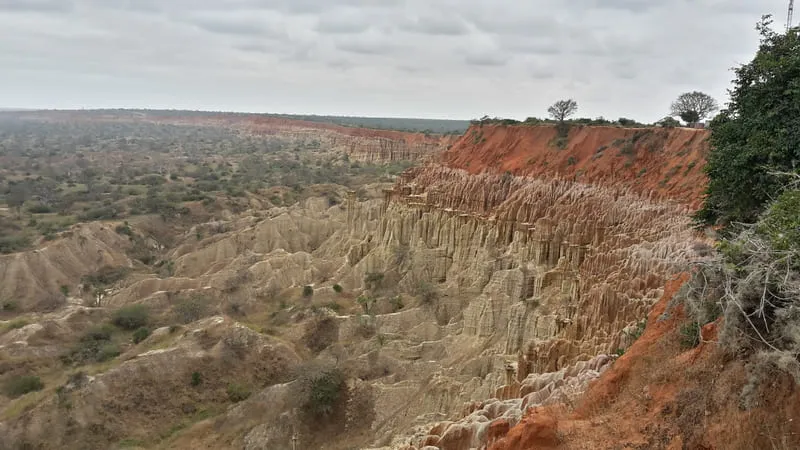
[9, 306]
[366, 326]
[130, 317]
[373, 280]
[21, 385]
[237, 392]
[781, 223]
[11, 244]
[320, 333]
[16, 324]
[98, 333]
[690, 335]
[107, 352]
[191, 309]
[64, 290]
[323, 390]
[140, 334]
[337, 288]
[628, 149]
[102, 213]
[124, 229]
[397, 303]
[308, 291]
[196, 379]
[668, 122]
[105, 276]
[39, 208]
[426, 292]
[366, 303]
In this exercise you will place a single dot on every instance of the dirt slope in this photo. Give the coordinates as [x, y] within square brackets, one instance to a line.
[664, 163]
[659, 395]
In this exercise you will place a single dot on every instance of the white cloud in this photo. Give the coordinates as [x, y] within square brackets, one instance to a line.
[447, 58]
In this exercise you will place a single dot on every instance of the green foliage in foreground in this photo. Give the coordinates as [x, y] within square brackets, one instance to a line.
[758, 134]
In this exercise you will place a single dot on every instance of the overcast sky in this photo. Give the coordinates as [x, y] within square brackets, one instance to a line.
[400, 58]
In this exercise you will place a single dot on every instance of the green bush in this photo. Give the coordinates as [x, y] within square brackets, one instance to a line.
[124, 229]
[12, 244]
[16, 324]
[140, 334]
[190, 310]
[105, 276]
[98, 333]
[757, 134]
[102, 213]
[373, 280]
[781, 223]
[39, 208]
[9, 306]
[308, 291]
[397, 303]
[325, 389]
[690, 335]
[107, 352]
[94, 345]
[237, 392]
[130, 317]
[366, 303]
[337, 288]
[21, 385]
[196, 379]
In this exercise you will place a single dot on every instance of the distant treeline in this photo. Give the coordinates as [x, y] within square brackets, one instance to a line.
[431, 126]
[600, 121]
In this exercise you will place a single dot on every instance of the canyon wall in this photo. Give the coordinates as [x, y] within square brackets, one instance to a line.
[541, 272]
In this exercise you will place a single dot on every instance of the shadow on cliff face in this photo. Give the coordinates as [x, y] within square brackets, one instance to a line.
[661, 395]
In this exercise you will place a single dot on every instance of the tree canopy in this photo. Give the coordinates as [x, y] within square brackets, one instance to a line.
[692, 107]
[758, 134]
[562, 109]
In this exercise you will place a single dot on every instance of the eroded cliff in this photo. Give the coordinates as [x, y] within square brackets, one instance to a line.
[539, 274]
[659, 163]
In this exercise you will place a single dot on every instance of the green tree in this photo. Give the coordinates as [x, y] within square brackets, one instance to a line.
[563, 109]
[17, 195]
[692, 107]
[758, 134]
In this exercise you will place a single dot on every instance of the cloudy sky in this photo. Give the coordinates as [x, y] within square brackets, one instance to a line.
[420, 58]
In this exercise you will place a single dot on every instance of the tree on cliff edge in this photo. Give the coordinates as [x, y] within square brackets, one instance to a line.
[563, 109]
[758, 134]
[692, 107]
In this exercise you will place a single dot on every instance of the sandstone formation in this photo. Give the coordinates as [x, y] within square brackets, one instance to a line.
[30, 278]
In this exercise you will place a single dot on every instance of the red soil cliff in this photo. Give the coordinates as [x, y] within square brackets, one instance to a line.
[657, 162]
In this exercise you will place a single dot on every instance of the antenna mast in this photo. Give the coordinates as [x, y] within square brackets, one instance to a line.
[789, 18]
